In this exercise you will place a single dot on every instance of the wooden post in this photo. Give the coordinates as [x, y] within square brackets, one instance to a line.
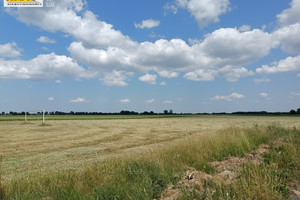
[43, 117]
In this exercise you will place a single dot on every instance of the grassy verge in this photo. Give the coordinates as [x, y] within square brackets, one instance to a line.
[271, 180]
[145, 176]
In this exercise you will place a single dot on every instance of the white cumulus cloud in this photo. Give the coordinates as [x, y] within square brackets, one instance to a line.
[201, 75]
[44, 66]
[290, 15]
[64, 17]
[9, 50]
[163, 83]
[44, 39]
[229, 97]
[288, 37]
[205, 11]
[167, 102]
[51, 99]
[261, 80]
[167, 74]
[170, 8]
[78, 100]
[149, 100]
[286, 65]
[149, 23]
[148, 78]
[263, 94]
[296, 94]
[115, 78]
[245, 28]
[112, 57]
[288, 33]
[125, 101]
[245, 47]
[232, 73]
[200, 62]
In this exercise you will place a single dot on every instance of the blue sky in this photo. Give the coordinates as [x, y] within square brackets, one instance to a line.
[151, 55]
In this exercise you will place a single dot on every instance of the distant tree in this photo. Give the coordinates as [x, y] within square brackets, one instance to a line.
[298, 111]
[126, 112]
[151, 113]
[293, 112]
[166, 112]
[170, 111]
[13, 113]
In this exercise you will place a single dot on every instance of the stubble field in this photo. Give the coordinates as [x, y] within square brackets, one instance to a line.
[74, 144]
[64, 144]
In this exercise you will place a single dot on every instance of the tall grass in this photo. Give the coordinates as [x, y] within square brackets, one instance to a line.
[269, 180]
[263, 182]
[146, 175]
[198, 151]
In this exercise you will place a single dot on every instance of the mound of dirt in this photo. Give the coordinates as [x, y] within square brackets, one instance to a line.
[226, 172]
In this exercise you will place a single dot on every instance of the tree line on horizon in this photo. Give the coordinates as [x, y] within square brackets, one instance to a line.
[165, 112]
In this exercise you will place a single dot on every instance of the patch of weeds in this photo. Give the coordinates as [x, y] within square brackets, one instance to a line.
[285, 156]
[283, 176]
[205, 167]
[269, 157]
[108, 192]
[261, 182]
[189, 194]
[134, 179]
[141, 171]
[214, 189]
[277, 130]
[254, 182]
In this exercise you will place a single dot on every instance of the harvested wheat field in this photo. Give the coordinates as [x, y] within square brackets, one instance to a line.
[77, 146]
